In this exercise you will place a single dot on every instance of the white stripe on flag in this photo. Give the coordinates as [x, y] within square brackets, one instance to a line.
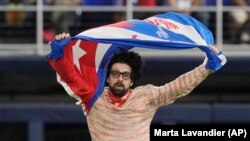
[100, 52]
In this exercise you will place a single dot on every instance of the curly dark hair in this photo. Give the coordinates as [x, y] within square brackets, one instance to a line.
[130, 58]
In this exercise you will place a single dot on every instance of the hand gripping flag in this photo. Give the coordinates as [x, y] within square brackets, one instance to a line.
[90, 50]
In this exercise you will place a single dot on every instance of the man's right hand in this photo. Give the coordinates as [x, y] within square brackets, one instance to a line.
[62, 36]
[57, 46]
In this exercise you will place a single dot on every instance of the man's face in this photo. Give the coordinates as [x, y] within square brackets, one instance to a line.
[119, 79]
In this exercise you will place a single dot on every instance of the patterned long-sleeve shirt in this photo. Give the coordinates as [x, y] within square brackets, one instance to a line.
[131, 121]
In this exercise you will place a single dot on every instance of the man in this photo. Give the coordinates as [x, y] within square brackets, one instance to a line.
[123, 113]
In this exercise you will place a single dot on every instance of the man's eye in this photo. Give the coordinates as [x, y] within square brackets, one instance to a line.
[116, 72]
[126, 74]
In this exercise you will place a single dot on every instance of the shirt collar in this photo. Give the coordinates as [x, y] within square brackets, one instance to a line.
[118, 101]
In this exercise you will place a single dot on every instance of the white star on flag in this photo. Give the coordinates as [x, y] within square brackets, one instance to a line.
[77, 53]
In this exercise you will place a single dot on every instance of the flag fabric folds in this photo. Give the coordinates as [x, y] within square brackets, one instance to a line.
[91, 50]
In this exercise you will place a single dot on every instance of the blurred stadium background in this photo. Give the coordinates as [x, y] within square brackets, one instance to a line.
[34, 107]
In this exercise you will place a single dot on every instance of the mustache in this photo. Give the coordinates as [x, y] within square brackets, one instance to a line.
[119, 84]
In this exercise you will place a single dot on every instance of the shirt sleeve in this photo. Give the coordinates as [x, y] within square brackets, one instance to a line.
[71, 80]
[180, 87]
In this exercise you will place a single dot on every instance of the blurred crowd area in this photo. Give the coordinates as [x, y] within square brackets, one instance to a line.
[20, 26]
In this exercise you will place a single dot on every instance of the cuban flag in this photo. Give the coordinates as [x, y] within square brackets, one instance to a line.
[91, 50]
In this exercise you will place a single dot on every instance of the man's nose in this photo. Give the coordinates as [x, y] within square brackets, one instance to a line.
[120, 77]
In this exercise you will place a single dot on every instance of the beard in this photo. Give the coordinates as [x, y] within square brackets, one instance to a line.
[119, 92]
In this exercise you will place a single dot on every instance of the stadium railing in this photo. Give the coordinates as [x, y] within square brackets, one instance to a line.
[40, 48]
